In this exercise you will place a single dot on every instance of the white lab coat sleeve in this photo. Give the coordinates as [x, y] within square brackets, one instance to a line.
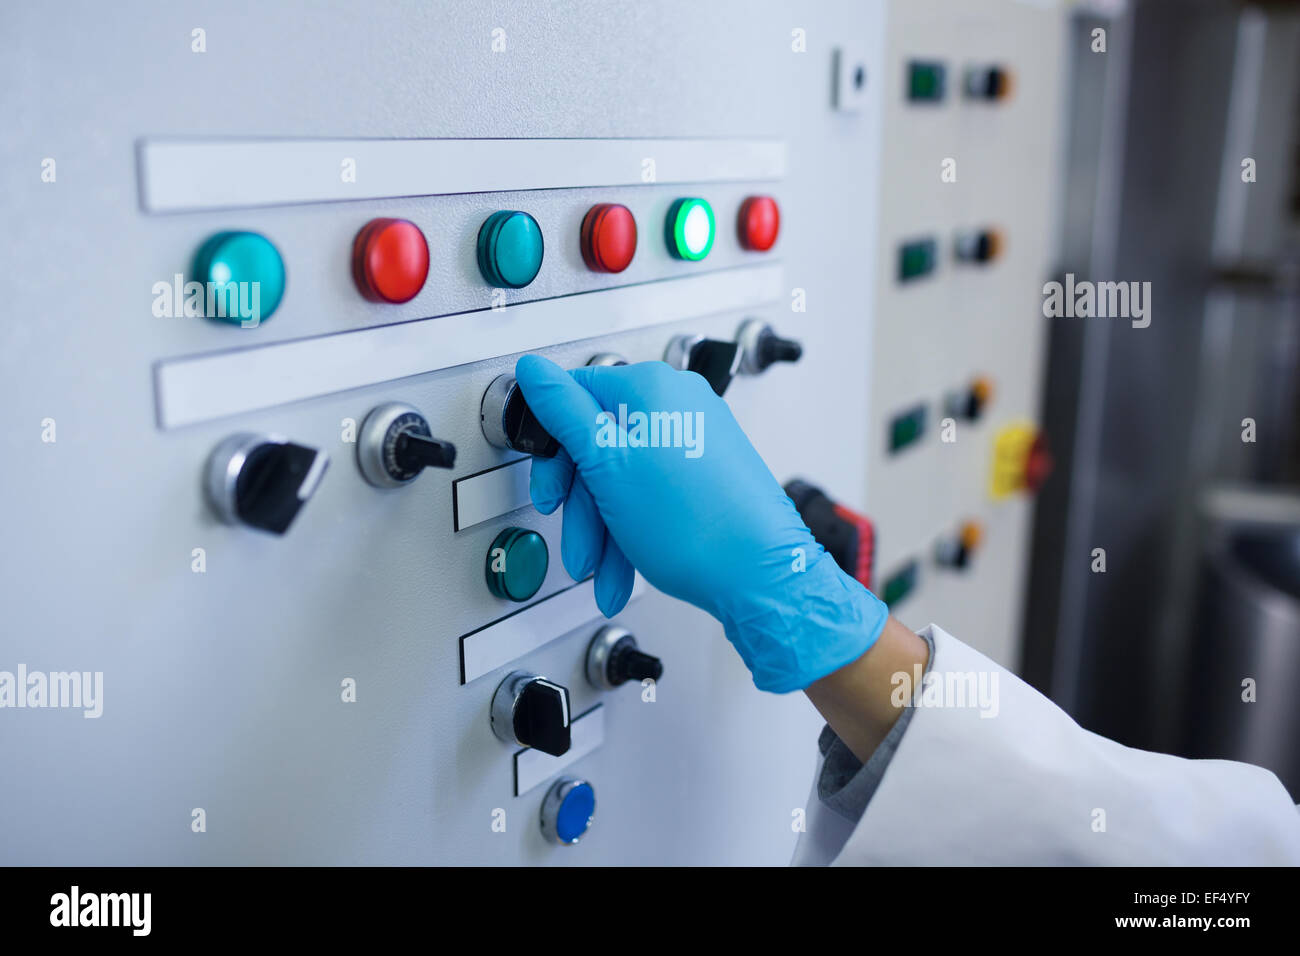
[995, 773]
[825, 831]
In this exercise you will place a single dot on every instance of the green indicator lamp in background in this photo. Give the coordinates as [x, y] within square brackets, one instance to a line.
[900, 585]
[925, 81]
[516, 564]
[906, 428]
[510, 249]
[689, 229]
[916, 259]
[242, 275]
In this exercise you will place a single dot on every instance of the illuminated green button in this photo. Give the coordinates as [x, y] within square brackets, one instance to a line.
[510, 249]
[242, 275]
[516, 564]
[689, 229]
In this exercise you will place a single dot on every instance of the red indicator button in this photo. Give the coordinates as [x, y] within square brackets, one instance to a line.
[758, 223]
[608, 237]
[390, 260]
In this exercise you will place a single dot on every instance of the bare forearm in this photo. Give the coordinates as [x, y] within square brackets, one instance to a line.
[856, 700]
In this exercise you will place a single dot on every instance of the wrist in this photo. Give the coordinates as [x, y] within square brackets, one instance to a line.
[859, 701]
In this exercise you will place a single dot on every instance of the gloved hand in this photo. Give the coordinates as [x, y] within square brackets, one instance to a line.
[702, 518]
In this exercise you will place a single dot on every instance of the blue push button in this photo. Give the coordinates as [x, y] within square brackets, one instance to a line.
[567, 810]
[510, 249]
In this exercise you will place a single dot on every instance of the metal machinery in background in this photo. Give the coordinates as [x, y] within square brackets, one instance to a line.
[277, 542]
[1148, 423]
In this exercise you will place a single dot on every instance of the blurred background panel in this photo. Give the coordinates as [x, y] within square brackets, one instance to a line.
[1176, 444]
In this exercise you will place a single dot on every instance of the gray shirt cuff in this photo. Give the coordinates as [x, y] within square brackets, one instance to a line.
[845, 784]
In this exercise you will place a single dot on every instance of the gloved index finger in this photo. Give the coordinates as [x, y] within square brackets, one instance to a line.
[563, 407]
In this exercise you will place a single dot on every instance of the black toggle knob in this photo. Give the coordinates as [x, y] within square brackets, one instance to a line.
[762, 347]
[532, 711]
[396, 444]
[773, 348]
[414, 452]
[263, 480]
[509, 423]
[613, 658]
[717, 361]
[630, 664]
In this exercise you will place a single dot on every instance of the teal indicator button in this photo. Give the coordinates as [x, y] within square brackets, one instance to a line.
[516, 564]
[510, 249]
[689, 229]
[242, 275]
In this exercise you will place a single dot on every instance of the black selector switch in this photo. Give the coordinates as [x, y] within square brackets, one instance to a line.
[413, 451]
[509, 423]
[263, 480]
[613, 658]
[532, 711]
[396, 444]
[848, 537]
[716, 360]
[761, 347]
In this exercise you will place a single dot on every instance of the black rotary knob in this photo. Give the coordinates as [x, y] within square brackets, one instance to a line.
[509, 423]
[532, 711]
[630, 664]
[613, 658]
[762, 347]
[396, 444]
[717, 361]
[263, 480]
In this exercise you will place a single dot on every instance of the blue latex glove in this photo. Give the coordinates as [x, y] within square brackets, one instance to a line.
[707, 524]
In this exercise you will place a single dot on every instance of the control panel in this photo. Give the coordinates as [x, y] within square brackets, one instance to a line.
[272, 464]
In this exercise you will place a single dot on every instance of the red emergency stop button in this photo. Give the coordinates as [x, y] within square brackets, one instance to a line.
[758, 223]
[608, 238]
[390, 260]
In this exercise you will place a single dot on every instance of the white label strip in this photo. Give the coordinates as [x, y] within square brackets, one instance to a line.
[203, 387]
[490, 494]
[510, 638]
[177, 175]
[532, 767]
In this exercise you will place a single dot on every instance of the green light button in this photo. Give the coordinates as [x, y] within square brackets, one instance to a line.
[689, 229]
[516, 564]
[510, 249]
[242, 275]
[925, 81]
